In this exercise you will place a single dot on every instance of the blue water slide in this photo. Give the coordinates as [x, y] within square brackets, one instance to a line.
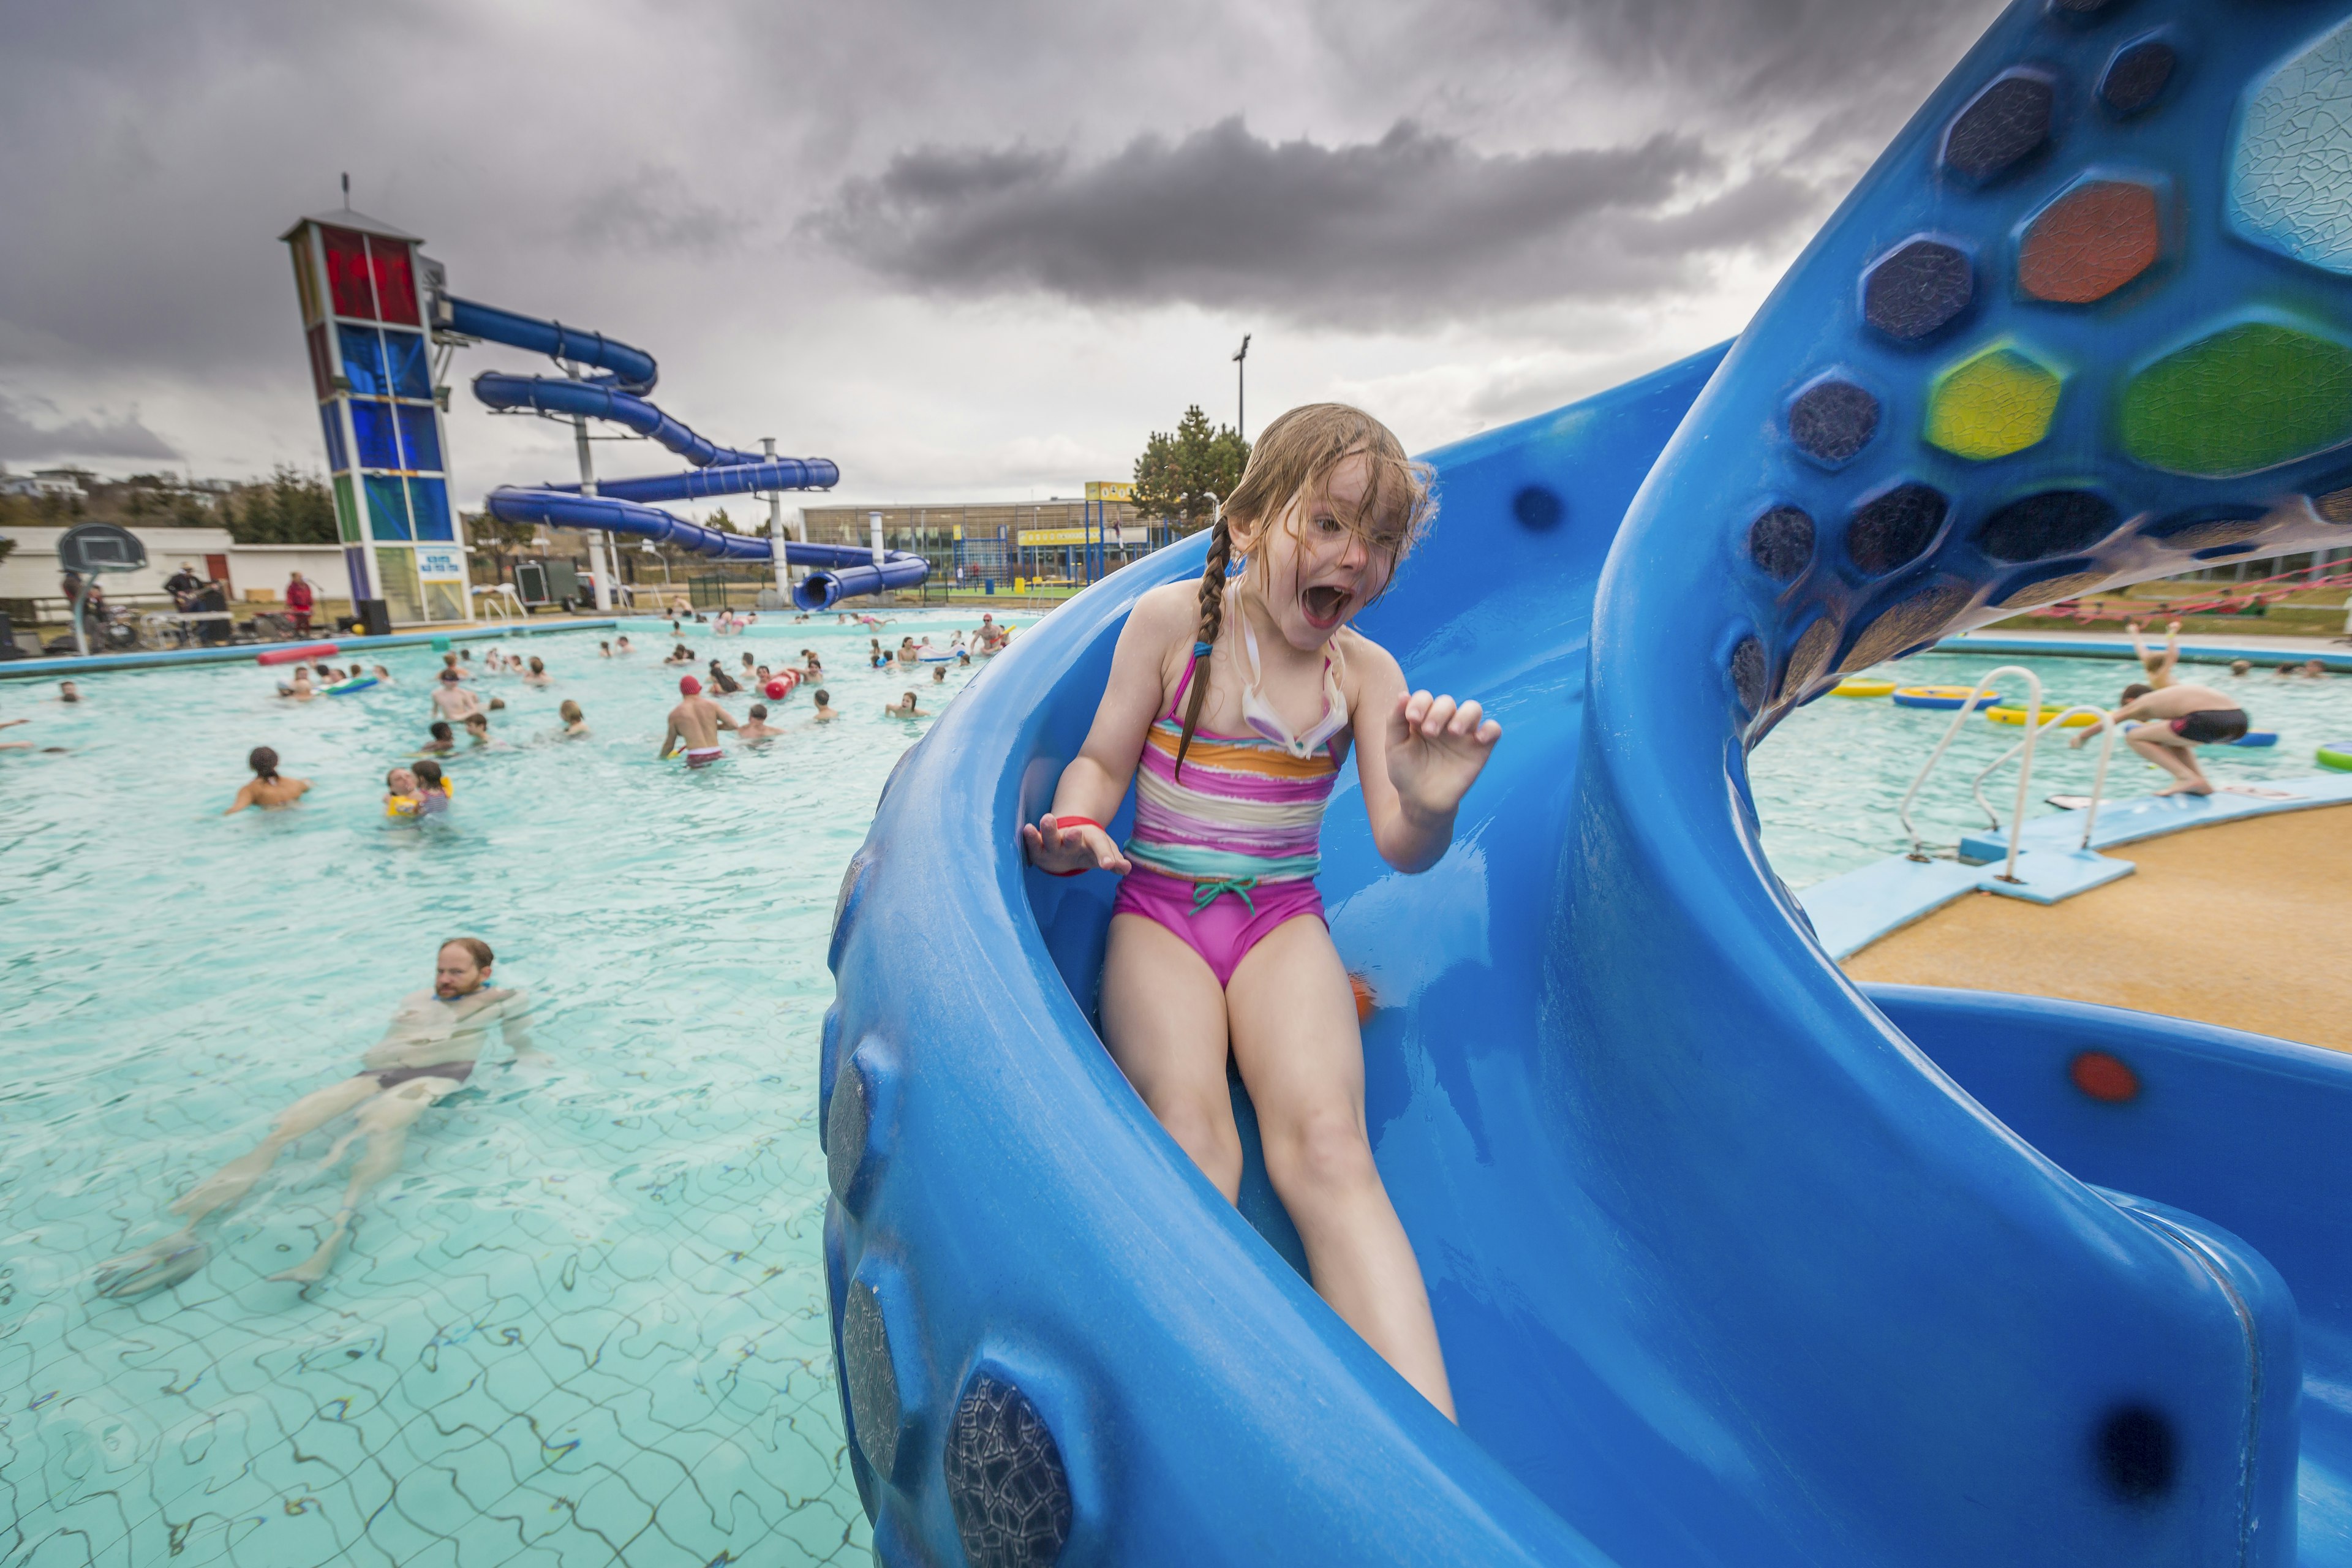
[632, 369]
[615, 396]
[1732, 1262]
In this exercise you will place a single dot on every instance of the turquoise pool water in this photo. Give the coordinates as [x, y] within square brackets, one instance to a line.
[1828, 781]
[585, 1322]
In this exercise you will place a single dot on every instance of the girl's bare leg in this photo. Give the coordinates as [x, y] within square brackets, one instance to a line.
[1164, 1021]
[1295, 1037]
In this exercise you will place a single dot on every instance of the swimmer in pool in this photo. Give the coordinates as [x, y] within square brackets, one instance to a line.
[575, 724]
[904, 708]
[694, 725]
[759, 729]
[383, 676]
[301, 691]
[681, 654]
[477, 729]
[825, 711]
[538, 675]
[2241, 667]
[403, 796]
[451, 700]
[908, 655]
[603, 650]
[434, 1043]
[2175, 723]
[939, 675]
[432, 788]
[68, 692]
[621, 645]
[269, 789]
[2160, 663]
[2314, 671]
[450, 662]
[444, 740]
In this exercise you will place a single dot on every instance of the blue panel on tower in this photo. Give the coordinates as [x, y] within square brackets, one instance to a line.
[372, 425]
[405, 355]
[338, 460]
[420, 443]
[387, 506]
[362, 359]
[429, 502]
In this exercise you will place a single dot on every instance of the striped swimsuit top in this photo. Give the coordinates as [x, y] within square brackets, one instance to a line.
[1246, 811]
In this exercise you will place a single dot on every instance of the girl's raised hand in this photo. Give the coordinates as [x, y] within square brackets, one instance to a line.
[1081, 846]
[1436, 750]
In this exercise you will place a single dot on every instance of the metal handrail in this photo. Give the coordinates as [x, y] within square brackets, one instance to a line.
[2099, 779]
[2025, 776]
[1992, 817]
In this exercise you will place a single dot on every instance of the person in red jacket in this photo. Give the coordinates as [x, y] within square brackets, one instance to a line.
[298, 604]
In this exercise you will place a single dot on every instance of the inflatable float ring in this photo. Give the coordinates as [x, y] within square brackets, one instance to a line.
[345, 688]
[2018, 715]
[1940, 696]
[2337, 754]
[1863, 688]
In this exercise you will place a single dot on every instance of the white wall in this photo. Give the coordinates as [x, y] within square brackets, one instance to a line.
[31, 570]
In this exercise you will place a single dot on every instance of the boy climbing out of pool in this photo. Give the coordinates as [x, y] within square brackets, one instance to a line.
[431, 1046]
[694, 725]
[2176, 721]
[1231, 704]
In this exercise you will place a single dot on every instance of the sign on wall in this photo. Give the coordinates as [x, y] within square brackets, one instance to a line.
[440, 564]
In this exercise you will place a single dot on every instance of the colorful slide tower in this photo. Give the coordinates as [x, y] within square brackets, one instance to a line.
[363, 296]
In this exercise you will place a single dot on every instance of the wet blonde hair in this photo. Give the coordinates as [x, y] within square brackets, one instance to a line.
[1294, 459]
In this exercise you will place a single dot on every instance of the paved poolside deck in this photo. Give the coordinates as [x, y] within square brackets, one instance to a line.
[2244, 923]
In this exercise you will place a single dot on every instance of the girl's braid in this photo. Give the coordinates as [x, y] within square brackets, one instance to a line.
[1213, 616]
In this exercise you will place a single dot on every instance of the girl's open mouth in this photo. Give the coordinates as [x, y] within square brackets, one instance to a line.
[1324, 605]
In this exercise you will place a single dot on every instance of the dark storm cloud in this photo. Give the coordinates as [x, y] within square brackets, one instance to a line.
[654, 211]
[102, 436]
[1781, 55]
[1415, 224]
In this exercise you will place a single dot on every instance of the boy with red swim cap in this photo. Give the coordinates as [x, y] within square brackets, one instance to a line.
[695, 725]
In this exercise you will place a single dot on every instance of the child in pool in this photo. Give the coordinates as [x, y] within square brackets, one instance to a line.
[1238, 698]
[575, 723]
[432, 790]
[403, 796]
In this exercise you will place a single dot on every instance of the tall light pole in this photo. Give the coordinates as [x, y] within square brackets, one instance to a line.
[1241, 389]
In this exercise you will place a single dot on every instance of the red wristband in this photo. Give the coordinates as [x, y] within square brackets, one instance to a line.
[1061, 822]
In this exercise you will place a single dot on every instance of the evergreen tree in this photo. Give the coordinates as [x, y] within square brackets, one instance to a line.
[1181, 472]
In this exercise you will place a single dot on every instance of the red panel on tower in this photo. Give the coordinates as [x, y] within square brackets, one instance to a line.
[395, 285]
[347, 273]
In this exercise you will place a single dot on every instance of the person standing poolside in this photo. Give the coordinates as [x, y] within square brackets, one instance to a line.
[431, 1046]
[694, 725]
[298, 601]
[825, 711]
[759, 729]
[2175, 722]
[269, 789]
[451, 700]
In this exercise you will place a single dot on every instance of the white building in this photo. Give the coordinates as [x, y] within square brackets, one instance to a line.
[257, 574]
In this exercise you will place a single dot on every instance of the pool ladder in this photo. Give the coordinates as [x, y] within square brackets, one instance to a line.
[2035, 727]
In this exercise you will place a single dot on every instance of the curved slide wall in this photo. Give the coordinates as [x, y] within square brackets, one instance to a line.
[615, 395]
[1727, 1269]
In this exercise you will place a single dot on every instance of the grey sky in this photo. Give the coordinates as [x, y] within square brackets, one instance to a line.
[963, 251]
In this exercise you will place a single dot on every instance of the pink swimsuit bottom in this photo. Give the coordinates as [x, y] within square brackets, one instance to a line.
[1224, 926]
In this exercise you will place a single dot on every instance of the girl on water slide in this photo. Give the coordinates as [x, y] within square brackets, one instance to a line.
[1238, 699]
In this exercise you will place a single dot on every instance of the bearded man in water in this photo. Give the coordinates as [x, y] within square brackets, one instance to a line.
[431, 1047]
[695, 725]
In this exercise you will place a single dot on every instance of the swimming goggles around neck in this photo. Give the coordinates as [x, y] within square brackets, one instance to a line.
[1262, 721]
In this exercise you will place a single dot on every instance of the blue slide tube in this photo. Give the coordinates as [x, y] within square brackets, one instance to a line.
[1728, 1268]
[695, 484]
[554, 394]
[632, 369]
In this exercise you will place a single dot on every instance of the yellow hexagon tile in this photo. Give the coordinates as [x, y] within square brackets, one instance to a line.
[1995, 403]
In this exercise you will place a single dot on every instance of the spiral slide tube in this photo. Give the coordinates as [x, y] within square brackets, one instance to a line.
[615, 395]
[1734, 1263]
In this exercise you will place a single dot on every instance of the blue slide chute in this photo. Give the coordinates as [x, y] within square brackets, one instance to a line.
[1734, 1263]
[615, 395]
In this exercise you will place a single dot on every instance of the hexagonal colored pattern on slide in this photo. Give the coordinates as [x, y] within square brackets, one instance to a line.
[2290, 168]
[2240, 401]
[1998, 403]
[2090, 242]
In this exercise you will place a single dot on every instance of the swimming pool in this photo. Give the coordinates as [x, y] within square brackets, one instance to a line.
[1828, 781]
[585, 1322]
